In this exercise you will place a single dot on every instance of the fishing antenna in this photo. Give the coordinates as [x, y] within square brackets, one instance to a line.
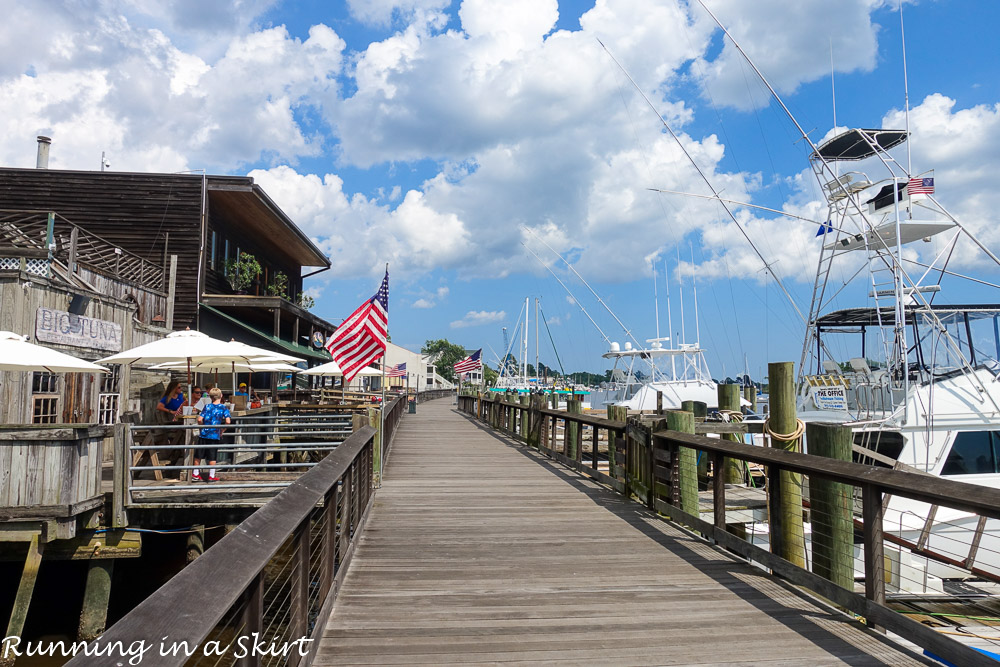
[577, 274]
[702, 173]
[739, 203]
[546, 323]
[575, 300]
[906, 89]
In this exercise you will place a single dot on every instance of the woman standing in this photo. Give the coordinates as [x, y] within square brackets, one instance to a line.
[168, 408]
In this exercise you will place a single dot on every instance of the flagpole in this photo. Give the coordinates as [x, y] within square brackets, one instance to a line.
[382, 447]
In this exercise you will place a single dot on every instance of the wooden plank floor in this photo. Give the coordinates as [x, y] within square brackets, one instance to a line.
[479, 551]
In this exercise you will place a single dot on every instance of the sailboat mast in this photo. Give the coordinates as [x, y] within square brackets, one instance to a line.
[670, 321]
[697, 321]
[524, 339]
[536, 339]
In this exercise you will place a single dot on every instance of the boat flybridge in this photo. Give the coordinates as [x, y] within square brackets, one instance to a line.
[686, 378]
[903, 363]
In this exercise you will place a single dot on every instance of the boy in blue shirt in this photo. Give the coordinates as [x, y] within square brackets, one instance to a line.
[209, 439]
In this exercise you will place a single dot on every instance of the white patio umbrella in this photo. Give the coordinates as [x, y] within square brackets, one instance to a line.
[17, 354]
[182, 347]
[329, 368]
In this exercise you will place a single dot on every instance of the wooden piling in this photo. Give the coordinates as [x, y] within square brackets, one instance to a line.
[24, 591]
[699, 408]
[830, 506]
[729, 400]
[573, 407]
[750, 393]
[195, 544]
[96, 594]
[789, 543]
[659, 402]
[687, 461]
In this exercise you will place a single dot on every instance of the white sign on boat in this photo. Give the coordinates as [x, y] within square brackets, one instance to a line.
[58, 326]
[830, 398]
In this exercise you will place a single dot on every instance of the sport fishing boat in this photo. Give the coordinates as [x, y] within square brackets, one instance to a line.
[908, 373]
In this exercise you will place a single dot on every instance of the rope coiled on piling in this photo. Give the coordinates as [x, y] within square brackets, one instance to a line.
[800, 429]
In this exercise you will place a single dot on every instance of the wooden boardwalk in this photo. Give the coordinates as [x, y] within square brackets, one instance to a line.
[479, 551]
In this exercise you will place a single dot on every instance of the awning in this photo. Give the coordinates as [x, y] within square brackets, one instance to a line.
[268, 340]
[859, 144]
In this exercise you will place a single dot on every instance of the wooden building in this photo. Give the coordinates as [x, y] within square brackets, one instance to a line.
[206, 222]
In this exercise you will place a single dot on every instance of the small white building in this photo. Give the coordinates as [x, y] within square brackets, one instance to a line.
[421, 371]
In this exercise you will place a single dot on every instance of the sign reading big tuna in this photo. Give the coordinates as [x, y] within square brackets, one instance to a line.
[57, 326]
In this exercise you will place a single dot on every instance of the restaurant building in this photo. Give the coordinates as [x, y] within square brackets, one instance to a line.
[167, 248]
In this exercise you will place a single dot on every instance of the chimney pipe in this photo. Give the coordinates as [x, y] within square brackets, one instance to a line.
[43, 152]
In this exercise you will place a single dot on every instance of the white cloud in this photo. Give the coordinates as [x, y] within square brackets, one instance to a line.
[382, 12]
[106, 81]
[423, 303]
[789, 42]
[475, 318]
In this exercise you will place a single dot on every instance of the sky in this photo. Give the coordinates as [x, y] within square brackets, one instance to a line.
[457, 140]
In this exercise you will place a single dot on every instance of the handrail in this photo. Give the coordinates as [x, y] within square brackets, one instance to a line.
[230, 575]
[648, 464]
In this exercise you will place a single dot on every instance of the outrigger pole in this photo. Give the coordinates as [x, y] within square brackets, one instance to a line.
[705, 178]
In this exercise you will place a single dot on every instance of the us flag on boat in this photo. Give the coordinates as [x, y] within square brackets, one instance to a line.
[360, 339]
[397, 371]
[470, 363]
[920, 186]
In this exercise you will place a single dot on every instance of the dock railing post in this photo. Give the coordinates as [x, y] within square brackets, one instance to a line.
[872, 513]
[783, 428]
[830, 503]
[253, 618]
[535, 427]
[120, 474]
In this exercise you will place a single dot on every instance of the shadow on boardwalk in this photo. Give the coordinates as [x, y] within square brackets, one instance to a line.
[481, 551]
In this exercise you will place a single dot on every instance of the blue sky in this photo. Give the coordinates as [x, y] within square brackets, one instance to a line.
[428, 134]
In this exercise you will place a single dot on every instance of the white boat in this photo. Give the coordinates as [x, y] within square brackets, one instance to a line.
[692, 382]
[907, 373]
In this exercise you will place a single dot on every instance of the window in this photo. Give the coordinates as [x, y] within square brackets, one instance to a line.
[430, 370]
[43, 383]
[973, 453]
[109, 399]
[430, 382]
[44, 409]
[44, 399]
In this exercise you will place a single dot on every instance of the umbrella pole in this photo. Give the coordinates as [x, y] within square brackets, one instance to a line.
[189, 379]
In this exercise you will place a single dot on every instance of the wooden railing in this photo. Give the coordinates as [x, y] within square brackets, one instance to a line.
[75, 245]
[653, 465]
[271, 582]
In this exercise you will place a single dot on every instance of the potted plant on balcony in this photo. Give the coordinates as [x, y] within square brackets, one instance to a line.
[242, 271]
[279, 285]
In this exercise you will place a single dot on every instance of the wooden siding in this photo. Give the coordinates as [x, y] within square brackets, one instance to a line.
[78, 399]
[45, 468]
[134, 211]
[150, 303]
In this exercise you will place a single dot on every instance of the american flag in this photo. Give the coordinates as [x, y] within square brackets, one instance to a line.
[470, 363]
[360, 340]
[920, 186]
[397, 371]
